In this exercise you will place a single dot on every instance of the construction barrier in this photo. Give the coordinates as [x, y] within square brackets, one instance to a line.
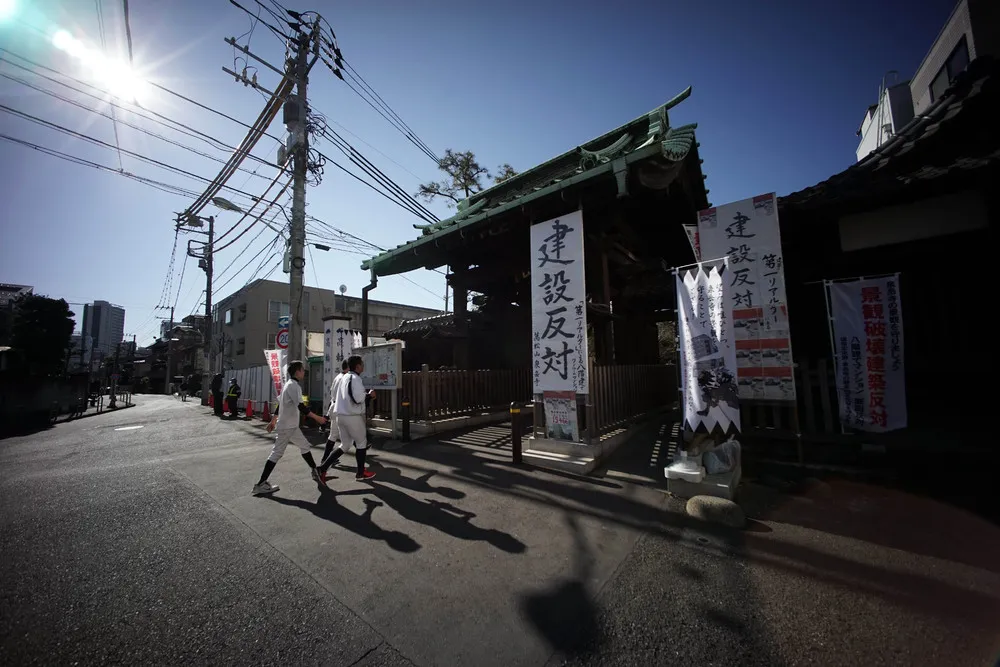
[266, 415]
[249, 409]
[211, 401]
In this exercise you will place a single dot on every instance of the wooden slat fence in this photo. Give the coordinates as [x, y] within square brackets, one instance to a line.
[623, 393]
[817, 406]
[454, 393]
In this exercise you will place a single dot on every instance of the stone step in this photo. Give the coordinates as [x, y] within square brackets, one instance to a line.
[580, 465]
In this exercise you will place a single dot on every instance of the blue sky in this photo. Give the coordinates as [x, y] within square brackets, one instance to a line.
[779, 91]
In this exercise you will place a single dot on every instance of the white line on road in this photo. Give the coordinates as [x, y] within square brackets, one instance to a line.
[129, 428]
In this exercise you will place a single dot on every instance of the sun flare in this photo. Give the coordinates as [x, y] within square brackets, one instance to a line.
[114, 76]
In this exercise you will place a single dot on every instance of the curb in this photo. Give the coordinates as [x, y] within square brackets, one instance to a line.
[94, 414]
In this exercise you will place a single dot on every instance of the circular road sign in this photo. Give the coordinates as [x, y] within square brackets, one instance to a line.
[282, 339]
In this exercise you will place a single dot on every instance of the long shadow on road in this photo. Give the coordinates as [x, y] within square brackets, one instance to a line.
[326, 507]
[442, 516]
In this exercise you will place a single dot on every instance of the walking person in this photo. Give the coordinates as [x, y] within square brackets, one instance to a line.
[217, 405]
[286, 421]
[332, 453]
[350, 409]
[185, 383]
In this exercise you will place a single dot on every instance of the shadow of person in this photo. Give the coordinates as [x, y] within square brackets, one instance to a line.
[446, 518]
[564, 615]
[419, 485]
[326, 507]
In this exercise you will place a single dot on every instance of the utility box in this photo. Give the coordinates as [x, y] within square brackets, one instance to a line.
[293, 112]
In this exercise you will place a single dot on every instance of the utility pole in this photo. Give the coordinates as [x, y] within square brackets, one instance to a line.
[208, 354]
[112, 403]
[300, 168]
[170, 353]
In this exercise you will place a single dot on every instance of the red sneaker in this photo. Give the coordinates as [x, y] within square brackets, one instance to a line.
[364, 477]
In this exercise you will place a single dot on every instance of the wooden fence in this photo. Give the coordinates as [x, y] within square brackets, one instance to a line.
[620, 393]
[623, 393]
[817, 415]
[452, 393]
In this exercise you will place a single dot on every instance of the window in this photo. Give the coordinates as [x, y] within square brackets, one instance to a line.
[229, 317]
[270, 341]
[276, 310]
[241, 346]
[242, 313]
[955, 65]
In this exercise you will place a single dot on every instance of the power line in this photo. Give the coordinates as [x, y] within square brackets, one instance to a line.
[399, 195]
[104, 49]
[255, 220]
[123, 122]
[159, 185]
[153, 116]
[98, 142]
[128, 32]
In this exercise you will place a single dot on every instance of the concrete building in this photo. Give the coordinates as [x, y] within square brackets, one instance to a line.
[972, 31]
[246, 323]
[10, 292]
[105, 324]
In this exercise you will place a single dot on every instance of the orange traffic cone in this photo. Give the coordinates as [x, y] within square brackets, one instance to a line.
[211, 401]
[249, 409]
[266, 415]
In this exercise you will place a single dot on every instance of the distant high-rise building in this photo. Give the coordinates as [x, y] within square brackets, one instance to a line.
[105, 324]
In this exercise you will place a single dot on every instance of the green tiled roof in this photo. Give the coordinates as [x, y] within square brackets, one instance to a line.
[645, 137]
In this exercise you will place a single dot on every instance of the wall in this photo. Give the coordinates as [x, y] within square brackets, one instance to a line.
[257, 331]
[958, 24]
[927, 218]
[894, 110]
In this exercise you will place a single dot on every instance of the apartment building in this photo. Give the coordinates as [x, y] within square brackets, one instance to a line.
[246, 323]
[972, 31]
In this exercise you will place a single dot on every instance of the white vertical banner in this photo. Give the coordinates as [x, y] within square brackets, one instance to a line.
[707, 350]
[866, 318]
[559, 306]
[333, 354]
[747, 232]
[277, 363]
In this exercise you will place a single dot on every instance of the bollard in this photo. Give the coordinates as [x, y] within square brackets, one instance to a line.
[406, 421]
[515, 430]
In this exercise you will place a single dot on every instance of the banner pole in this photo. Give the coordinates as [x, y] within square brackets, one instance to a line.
[841, 410]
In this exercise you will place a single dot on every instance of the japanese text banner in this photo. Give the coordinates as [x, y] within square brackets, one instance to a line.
[559, 306]
[276, 364]
[334, 346]
[867, 324]
[747, 232]
[708, 355]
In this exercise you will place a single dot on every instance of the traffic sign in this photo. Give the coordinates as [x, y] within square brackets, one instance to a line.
[281, 340]
[115, 377]
[284, 321]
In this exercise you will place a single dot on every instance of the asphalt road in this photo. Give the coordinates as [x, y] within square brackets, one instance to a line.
[131, 537]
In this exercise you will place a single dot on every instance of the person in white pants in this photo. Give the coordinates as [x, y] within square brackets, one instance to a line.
[333, 453]
[286, 421]
[349, 406]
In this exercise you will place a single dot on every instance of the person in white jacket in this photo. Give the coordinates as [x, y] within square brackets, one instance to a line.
[333, 453]
[286, 420]
[349, 406]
